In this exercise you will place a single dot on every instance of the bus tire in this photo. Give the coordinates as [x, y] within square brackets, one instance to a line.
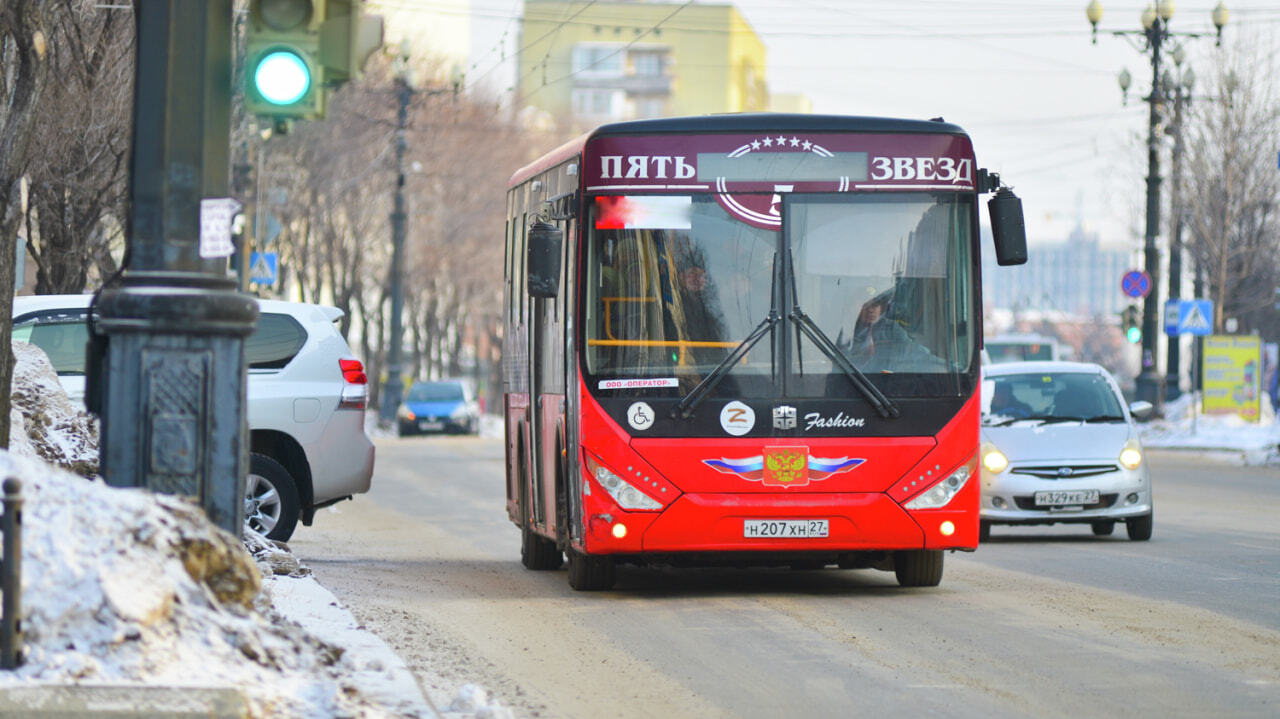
[1103, 527]
[538, 552]
[1139, 528]
[918, 567]
[588, 573]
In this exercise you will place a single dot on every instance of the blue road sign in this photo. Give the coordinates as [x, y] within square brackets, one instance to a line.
[263, 268]
[1136, 283]
[1188, 317]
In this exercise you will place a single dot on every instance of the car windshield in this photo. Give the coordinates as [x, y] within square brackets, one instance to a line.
[885, 278]
[1049, 396]
[436, 392]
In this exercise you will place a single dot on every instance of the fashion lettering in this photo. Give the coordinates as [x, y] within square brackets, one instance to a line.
[815, 419]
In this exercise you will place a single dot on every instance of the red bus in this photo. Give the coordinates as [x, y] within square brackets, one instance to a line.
[748, 340]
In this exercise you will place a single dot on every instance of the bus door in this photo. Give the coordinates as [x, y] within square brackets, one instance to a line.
[546, 355]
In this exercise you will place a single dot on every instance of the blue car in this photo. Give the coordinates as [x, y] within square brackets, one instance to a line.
[439, 406]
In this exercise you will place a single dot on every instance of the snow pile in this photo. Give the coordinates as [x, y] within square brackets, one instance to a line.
[43, 422]
[1248, 442]
[126, 586]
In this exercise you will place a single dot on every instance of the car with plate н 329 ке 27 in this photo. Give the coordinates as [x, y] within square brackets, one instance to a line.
[1059, 445]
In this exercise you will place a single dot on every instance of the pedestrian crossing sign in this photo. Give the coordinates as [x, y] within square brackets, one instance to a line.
[1188, 317]
[263, 267]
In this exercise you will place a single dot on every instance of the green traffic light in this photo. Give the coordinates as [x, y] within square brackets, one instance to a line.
[1134, 335]
[282, 77]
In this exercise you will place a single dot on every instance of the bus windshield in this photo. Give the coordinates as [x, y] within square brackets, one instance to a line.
[674, 285]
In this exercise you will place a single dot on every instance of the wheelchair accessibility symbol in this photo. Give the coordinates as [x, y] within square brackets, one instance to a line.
[640, 416]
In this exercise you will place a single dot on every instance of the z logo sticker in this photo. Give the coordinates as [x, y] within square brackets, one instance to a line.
[737, 418]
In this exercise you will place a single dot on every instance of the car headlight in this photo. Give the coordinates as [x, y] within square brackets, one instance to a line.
[993, 459]
[459, 413]
[1131, 455]
[943, 492]
[627, 496]
[405, 413]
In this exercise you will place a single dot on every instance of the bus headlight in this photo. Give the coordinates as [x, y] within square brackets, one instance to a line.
[993, 459]
[942, 492]
[626, 495]
[1131, 455]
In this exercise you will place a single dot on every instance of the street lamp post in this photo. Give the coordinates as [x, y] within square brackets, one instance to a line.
[1179, 87]
[391, 391]
[1153, 36]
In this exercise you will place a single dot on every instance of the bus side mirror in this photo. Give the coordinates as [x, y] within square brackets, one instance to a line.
[1008, 228]
[543, 261]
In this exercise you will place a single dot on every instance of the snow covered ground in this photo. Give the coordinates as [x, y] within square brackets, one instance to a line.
[1225, 437]
[124, 588]
[127, 590]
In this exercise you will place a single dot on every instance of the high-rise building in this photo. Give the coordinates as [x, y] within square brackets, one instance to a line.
[584, 63]
[1079, 277]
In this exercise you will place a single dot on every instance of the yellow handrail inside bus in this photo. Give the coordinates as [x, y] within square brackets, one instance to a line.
[684, 345]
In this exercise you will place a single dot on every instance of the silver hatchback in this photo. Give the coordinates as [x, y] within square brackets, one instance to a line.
[1059, 444]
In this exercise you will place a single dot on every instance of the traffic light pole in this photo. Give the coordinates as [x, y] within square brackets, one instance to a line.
[167, 376]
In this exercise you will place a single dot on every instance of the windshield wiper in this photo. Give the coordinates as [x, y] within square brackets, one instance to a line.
[883, 404]
[1105, 418]
[1042, 418]
[684, 408]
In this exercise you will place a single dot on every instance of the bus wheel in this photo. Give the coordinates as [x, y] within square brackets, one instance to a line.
[590, 574]
[918, 567]
[538, 552]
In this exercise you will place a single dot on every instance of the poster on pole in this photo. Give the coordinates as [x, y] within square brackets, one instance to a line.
[1232, 375]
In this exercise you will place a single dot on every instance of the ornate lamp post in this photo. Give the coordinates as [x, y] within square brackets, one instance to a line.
[1151, 40]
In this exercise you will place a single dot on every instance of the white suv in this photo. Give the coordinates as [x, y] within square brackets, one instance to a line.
[307, 396]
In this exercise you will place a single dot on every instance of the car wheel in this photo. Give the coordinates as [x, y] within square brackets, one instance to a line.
[1139, 528]
[271, 503]
[590, 574]
[538, 552]
[918, 567]
[1103, 528]
[984, 530]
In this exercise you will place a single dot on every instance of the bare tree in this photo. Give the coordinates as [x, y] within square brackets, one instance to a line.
[24, 77]
[1232, 186]
[79, 185]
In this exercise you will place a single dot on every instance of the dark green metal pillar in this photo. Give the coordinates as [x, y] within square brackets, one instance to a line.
[171, 387]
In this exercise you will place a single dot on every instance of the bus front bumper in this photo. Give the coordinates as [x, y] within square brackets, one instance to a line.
[719, 523]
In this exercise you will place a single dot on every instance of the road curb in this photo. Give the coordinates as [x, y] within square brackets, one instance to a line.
[122, 701]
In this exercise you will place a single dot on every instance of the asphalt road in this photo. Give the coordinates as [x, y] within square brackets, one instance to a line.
[1043, 622]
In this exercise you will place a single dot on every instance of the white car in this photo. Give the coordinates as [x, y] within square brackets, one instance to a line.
[306, 401]
[1060, 445]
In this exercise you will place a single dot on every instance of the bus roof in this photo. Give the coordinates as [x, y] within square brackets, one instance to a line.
[737, 122]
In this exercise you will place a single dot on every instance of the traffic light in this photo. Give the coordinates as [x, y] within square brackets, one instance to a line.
[1132, 320]
[282, 49]
[298, 50]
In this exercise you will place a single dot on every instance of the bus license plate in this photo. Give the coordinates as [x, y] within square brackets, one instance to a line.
[784, 528]
[1059, 498]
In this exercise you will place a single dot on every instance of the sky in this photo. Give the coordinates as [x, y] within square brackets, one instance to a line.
[1022, 77]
